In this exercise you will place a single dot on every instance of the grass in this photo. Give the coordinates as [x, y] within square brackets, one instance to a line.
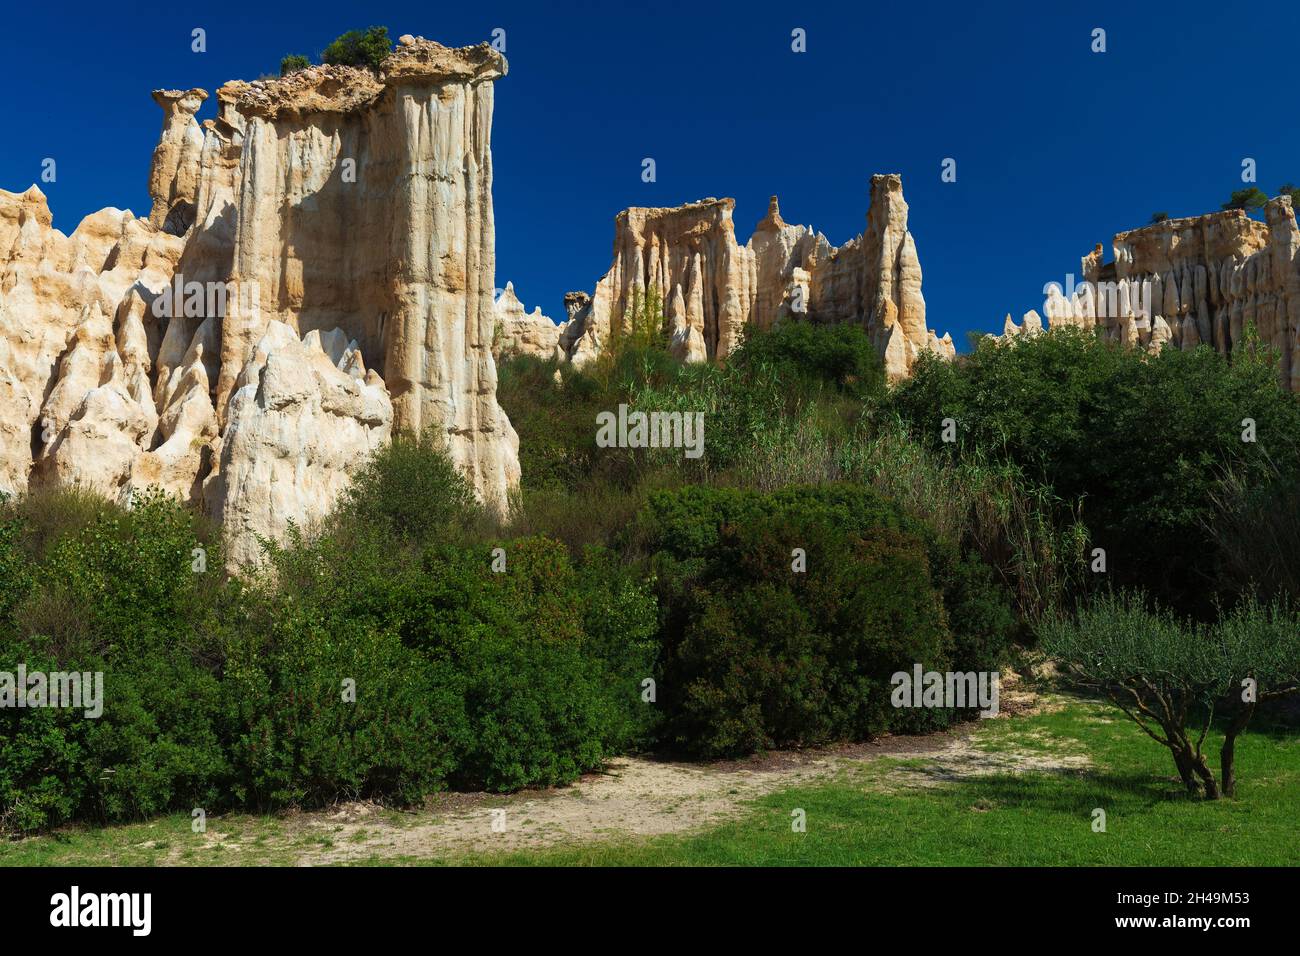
[875, 815]
[1035, 818]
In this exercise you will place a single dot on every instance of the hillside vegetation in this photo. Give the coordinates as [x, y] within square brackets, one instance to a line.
[833, 532]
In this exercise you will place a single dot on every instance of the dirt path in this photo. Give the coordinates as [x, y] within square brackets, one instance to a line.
[634, 797]
[640, 797]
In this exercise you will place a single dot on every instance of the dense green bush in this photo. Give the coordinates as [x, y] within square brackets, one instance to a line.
[383, 657]
[1143, 442]
[410, 491]
[366, 48]
[758, 655]
[119, 597]
[293, 63]
[804, 355]
[1019, 529]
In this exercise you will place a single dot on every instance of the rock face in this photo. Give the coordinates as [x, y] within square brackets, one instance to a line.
[322, 223]
[174, 175]
[1203, 280]
[517, 332]
[683, 265]
[366, 204]
[75, 342]
[302, 416]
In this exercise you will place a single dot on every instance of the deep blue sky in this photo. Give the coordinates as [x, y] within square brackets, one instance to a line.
[1057, 147]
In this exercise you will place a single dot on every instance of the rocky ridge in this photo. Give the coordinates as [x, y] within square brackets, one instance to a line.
[1200, 280]
[685, 262]
[316, 270]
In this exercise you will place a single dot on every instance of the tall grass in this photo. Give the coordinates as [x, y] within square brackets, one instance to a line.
[1034, 541]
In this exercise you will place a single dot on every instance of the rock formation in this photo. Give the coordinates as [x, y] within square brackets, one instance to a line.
[683, 263]
[302, 416]
[74, 341]
[1203, 280]
[317, 270]
[519, 332]
[174, 175]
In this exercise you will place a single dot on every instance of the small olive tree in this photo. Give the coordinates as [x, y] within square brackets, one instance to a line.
[1258, 648]
[1172, 678]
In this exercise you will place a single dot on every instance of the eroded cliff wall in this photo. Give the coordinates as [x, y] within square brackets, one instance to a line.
[1202, 280]
[317, 270]
[684, 261]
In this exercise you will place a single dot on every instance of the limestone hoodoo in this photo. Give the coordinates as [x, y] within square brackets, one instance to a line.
[686, 259]
[317, 269]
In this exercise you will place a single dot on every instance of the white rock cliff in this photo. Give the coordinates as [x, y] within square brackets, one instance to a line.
[317, 270]
[684, 262]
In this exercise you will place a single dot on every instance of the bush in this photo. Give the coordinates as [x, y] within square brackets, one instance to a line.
[293, 63]
[531, 657]
[410, 491]
[544, 699]
[1144, 443]
[119, 597]
[366, 48]
[1031, 540]
[345, 712]
[841, 357]
[757, 655]
[1256, 528]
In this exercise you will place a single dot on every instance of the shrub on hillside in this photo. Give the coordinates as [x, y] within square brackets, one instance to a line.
[366, 48]
[119, 597]
[410, 491]
[1256, 528]
[1143, 442]
[293, 63]
[538, 677]
[759, 655]
[802, 354]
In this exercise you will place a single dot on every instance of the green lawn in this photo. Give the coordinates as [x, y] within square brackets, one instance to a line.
[1031, 819]
[866, 817]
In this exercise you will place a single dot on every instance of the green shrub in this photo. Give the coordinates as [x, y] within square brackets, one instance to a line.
[1256, 528]
[366, 48]
[339, 713]
[410, 491]
[758, 655]
[15, 571]
[541, 704]
[1020, 530]
[841, 357]
[120, 597]
[293, 63]
[1143, 442]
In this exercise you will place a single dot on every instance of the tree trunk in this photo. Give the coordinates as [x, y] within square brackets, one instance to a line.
[1227, 754]
[1207, 777]
[1183, 760]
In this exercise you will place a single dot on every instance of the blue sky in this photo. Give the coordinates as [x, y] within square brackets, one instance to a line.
[1057, 147]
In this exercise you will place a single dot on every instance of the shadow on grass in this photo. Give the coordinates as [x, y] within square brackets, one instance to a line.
[1066, 790]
